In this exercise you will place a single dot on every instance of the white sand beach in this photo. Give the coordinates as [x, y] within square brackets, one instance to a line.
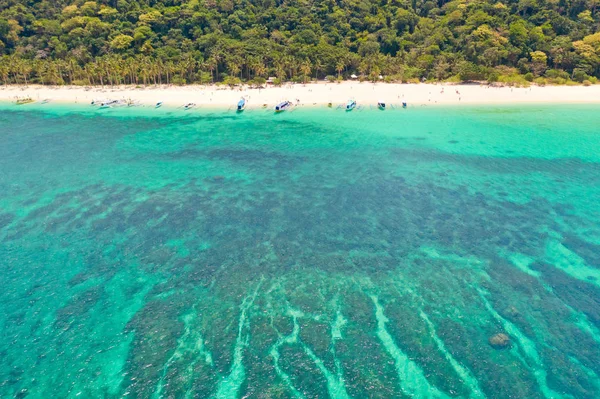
[311, 94]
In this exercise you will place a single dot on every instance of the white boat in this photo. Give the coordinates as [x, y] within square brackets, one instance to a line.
[158, 104]
[45, 101]
[381, 105]
[404, 104]
[282, 106]
[110, 103]
[351, 105]
[189, 106]
[241, 105]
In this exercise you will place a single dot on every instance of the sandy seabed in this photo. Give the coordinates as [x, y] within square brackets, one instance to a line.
[310, 94]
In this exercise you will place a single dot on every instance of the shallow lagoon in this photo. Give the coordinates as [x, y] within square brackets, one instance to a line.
[309, 254]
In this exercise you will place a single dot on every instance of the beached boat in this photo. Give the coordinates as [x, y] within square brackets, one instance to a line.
[110, 103]
[189, 106]
[282, 106]
[133, 103]
[404, 104]
[241, 105]
[45, 101]
[99, 101]
[158, 104]
[381, 105]
[25, 100]
[351, 105]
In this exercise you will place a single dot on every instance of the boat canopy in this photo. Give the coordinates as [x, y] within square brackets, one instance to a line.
[282, 105]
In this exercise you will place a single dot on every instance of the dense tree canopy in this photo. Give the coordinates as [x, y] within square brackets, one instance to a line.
[176, 41]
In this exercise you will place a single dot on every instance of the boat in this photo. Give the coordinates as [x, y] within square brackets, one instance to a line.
[329, 104]
[25, 100]
[282, 106]
[45, 101]
[351, 105]
[133, 103]
[381, 105]
[403, 104]
[158, 104]
[110, 103]
[189, 106]
[241, 105]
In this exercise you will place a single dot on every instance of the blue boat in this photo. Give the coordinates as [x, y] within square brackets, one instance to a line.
[282, 106]
[404, 104]
[381, 105]
[351, 105]
[158, 104]
[241, 105]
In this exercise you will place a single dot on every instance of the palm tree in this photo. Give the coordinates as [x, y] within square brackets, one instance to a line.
[4, 72]
[306, 68]
[38, 69]
[279, 64]
[90, 71]
[234, 65]
[289, 62]
[23, 68]
[211, 63]
[260, 69]
[169, 70]
[318, 66]
[339, 67]
[217, 57]
[54, 72]
[145, 69]
[71, 65]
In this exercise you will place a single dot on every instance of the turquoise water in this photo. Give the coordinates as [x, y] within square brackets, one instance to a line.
[311, 254]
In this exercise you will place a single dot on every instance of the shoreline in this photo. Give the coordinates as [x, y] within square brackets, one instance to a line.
[311, 94]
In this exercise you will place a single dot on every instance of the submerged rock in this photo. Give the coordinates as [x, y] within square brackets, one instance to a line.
[512, 311]
[499, 341]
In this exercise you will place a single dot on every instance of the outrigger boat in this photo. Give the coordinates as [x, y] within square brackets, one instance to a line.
[189, 106]
[110, 103]
[26, 100]
[282, 106]
[241, 105]
[381, 105]
[351, 105]
[158, 104]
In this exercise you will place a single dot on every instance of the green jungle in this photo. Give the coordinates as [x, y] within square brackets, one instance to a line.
[202, 41]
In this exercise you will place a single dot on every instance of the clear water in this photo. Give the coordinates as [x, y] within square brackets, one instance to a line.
[310, 254]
